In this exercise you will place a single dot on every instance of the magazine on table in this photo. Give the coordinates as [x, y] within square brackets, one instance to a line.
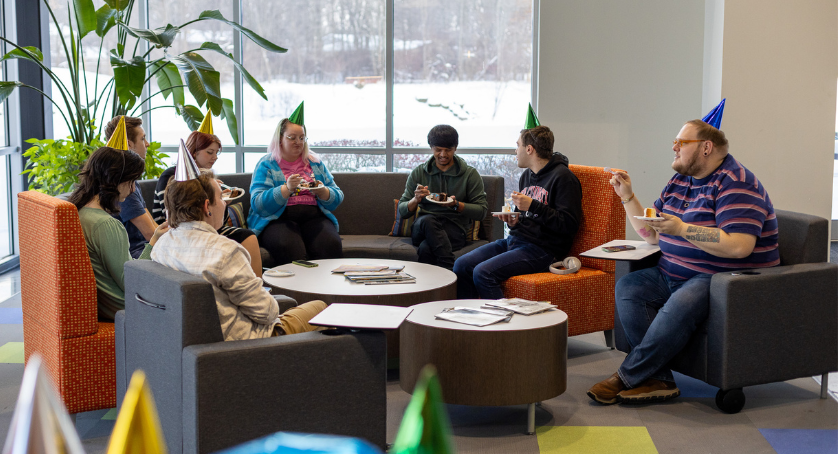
[367, 268]
[475, 316]
[520, 305]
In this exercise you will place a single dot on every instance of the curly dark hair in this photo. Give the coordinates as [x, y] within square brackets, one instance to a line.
[444, 136]
[102, 174]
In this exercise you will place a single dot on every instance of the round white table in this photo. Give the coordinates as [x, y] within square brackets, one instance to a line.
[432, 283]
[523, 361]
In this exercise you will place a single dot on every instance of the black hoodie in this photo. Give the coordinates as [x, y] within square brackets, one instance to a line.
[556, 210]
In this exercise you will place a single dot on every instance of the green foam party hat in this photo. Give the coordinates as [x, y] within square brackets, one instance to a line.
[532, 120]
[297, 116]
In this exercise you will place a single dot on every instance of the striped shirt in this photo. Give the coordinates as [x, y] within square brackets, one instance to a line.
[731, 199]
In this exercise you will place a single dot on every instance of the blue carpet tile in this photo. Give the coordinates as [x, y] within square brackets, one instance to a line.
[801, 441]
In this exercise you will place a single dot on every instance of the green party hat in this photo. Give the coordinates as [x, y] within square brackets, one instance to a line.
[297, 116]
[532, 120]
[425, 427]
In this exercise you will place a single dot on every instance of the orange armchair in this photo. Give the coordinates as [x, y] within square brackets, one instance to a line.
[58, 293]
[587, 297]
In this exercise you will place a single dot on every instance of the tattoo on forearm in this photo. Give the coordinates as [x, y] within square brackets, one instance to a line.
[643, 232]
[703, 234]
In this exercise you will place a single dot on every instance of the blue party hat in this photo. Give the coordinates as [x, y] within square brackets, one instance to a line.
[714, 118]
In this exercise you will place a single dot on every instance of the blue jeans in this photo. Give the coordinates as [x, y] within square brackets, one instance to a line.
[481, 271]
[659, 315]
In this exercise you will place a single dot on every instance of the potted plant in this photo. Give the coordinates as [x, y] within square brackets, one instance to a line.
[53, 164]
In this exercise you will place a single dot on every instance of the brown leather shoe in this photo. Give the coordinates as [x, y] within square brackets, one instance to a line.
[650, 390]
[606, 392]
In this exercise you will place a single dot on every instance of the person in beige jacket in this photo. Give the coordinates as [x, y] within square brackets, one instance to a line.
[193, 245]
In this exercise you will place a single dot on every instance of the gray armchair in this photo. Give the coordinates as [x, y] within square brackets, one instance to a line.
[767, 325]
[212, 394]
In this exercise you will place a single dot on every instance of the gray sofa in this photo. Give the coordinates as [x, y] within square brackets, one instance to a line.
[367, 213]
[212, 394]
[766, 325]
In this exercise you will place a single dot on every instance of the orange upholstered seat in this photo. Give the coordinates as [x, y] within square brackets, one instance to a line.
[587, 296]
[58, 292]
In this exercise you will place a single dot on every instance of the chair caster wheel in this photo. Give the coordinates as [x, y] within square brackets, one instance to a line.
[730, 401]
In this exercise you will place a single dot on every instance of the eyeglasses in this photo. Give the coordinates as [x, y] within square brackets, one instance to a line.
[302, 139]
[680, 142]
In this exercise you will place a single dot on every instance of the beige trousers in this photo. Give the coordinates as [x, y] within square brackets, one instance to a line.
[295, 320]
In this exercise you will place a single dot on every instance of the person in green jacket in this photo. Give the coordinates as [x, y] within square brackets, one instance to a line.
[441, 225]
[106, 180]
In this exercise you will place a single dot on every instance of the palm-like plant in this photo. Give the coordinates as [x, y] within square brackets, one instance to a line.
[132, 71]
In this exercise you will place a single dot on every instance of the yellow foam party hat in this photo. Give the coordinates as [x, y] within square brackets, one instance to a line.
[40, 422]
[206, 125]
[137, 427]
[119, 138]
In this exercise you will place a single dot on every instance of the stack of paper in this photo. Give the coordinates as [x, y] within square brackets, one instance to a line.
[380, 277]
[476, 316]
[345, 268]
[520, 305]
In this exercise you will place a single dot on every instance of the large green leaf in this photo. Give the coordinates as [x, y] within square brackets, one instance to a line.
[229, 113]
[262, 42]
[17, 53]
[105, 19]
[169, 81]
[203, 80]
[159, 37]
[129, 76]
[6, 89]
[254, 84]
[118, 4]
[192, 116]
[85, 16]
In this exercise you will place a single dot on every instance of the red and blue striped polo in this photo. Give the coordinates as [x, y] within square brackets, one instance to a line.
[732, 199]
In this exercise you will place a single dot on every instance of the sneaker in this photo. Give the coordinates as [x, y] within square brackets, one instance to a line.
[650, 390]
[607, 391]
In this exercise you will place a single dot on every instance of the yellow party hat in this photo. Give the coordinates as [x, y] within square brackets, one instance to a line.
[206, 125]
[137, 428]
[119, 138]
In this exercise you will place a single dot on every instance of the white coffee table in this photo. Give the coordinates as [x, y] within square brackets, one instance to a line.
[432, 284]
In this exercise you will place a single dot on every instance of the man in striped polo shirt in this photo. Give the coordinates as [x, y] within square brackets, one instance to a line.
[716, 216]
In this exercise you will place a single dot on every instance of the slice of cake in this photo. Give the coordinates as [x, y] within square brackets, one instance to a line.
[439, 197]
[650, 213]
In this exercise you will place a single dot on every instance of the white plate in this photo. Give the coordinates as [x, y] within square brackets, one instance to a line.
[229, 199]
[278, 273]
[449, 200]
[515, 213]
[309, 189]
[644, 218]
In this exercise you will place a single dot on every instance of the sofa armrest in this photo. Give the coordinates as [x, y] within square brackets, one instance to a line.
[773, 326]
[310, 382]
[121, 367]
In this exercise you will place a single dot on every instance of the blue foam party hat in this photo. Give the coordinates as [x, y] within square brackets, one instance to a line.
[714, 118]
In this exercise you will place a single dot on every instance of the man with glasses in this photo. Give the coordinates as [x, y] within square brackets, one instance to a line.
[441, 225]
[548, 211]
[715, 216]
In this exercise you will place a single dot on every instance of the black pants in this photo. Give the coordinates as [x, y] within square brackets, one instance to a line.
[437, 238]
[302, 232]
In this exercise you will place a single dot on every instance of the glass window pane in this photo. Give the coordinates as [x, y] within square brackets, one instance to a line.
[167, 126]
[345, 162]
[504, 165]
[5, 221]
[226, 163]
[250, 161]
[96, 71]
[463, 63]
[335, 63]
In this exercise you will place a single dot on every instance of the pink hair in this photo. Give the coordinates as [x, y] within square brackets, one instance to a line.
[275, 146]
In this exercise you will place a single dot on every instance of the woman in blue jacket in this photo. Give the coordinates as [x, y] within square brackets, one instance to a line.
[292, 198]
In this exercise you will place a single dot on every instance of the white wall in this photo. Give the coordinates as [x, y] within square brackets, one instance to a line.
[779, 74]
[618, 79]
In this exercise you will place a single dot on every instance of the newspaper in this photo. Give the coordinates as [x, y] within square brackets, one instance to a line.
[474, 316]
[520, 305]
